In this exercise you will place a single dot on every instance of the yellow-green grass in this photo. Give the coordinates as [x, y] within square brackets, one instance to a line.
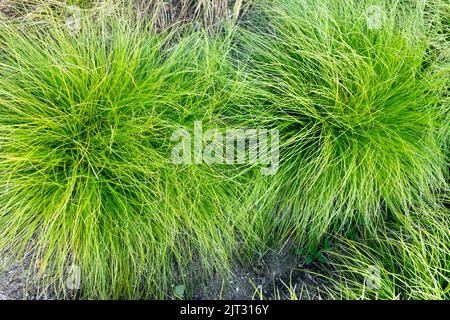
[362, 113]
[88, 183]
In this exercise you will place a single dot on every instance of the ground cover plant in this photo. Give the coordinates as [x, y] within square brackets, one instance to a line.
[92, 92]
[87, 178]
[362, 109]
[362, 114]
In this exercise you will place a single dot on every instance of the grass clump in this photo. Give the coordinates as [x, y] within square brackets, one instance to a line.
[404, 261]
[360, 105]
[87, 183]
[90, 99]
[359, 92]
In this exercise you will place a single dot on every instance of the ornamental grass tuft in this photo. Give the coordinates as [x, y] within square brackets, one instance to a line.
[88, 185]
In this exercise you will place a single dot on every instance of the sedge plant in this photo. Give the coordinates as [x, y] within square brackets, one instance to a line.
[360, 103]
[87, 183]
[403, 261]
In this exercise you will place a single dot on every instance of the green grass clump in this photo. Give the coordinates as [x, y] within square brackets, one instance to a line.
[86, 118]
[404, 261]
[90, 98]
[360, 105]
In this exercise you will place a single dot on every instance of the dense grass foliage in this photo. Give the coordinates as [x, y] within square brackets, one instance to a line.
[90, 97]
[404, 261]
[362, 108]
[408, 260]
[87, 180]
[360, 112]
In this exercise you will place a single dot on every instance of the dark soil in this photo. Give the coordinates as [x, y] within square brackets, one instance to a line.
[277, 275]
[14, 284]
